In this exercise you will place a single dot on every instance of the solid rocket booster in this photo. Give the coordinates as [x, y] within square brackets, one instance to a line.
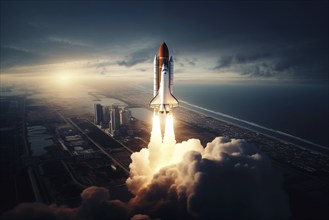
[163, 100]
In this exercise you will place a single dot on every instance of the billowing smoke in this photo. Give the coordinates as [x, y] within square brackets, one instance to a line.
[95, 204]
[228, 179]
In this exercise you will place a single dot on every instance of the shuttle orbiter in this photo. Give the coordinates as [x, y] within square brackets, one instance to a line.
[163, 100]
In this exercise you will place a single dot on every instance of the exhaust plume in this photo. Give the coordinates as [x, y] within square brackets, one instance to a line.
[228, 179]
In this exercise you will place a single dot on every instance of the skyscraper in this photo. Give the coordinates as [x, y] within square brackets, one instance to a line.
[106, 117]
[98, 108]
[125, 117]
[114, 120]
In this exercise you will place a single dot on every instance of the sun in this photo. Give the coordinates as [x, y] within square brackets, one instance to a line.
[64, 77]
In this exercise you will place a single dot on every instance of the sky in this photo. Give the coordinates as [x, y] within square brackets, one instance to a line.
[279, 41]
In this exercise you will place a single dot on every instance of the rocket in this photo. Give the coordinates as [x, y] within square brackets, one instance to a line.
[163, 100]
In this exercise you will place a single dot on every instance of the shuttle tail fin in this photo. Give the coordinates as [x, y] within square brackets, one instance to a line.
[155, 102]
[172, 101]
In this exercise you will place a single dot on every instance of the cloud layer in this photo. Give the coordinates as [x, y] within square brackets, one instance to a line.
[227, 37]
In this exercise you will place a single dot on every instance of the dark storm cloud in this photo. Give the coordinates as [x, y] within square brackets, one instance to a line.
[259, 70]
[191, 62]
[137, 57]
[235, 32]
[228, 61]
[247, 64]
[296, 62]
[101, 64]
[13, 56]
[140, 56]
[304, 62]
[185, 62]
[225, 61]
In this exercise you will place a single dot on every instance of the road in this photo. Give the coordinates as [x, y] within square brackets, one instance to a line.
[117, 162]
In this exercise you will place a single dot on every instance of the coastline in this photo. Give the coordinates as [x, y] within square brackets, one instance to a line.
[250, 126]
[323, 149]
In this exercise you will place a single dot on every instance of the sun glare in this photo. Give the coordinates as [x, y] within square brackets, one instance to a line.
[64, 77]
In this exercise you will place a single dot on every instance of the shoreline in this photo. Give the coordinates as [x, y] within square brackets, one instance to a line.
[322, 148]
[267, 135]
[258, 129]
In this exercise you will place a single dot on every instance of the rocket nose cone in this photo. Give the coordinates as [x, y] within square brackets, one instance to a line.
[163, 50]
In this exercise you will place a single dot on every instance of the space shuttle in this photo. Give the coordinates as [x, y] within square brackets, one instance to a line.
[163, 100]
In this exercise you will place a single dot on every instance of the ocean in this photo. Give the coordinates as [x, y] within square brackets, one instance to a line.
[298, 110]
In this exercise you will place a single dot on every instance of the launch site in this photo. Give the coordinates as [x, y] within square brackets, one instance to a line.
[142, 110]
[80, 153]
[60, 149]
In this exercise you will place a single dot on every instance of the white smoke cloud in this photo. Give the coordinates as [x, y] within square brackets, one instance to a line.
[228, 179]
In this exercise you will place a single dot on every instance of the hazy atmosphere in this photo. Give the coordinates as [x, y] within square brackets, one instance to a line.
[210, 41]
[147, 110]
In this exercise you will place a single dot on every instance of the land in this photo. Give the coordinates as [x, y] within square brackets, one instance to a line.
[81, 154]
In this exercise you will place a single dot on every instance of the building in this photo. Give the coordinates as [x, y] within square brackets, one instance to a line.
[125, 116]
[117, 120]
[98, 108]
[106, 117]
[114, 120]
